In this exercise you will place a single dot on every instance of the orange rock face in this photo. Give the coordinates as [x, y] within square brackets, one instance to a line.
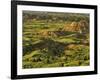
[81, 27]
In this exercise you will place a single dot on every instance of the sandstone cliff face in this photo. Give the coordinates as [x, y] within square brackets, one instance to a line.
[81, 27]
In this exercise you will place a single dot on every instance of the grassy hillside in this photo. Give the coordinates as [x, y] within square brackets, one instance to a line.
[47, 44]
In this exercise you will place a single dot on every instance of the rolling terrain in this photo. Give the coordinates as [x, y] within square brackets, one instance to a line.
[55, 39]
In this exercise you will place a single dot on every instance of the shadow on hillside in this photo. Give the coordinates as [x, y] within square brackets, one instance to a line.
[52, 46]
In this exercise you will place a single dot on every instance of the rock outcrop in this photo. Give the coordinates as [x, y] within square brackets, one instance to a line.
[81, 27]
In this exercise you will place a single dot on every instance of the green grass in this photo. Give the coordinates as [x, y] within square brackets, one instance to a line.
[66, 40]
[33, 53]
[41, 51]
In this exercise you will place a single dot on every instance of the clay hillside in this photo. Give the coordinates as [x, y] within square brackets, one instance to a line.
[81, 26]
